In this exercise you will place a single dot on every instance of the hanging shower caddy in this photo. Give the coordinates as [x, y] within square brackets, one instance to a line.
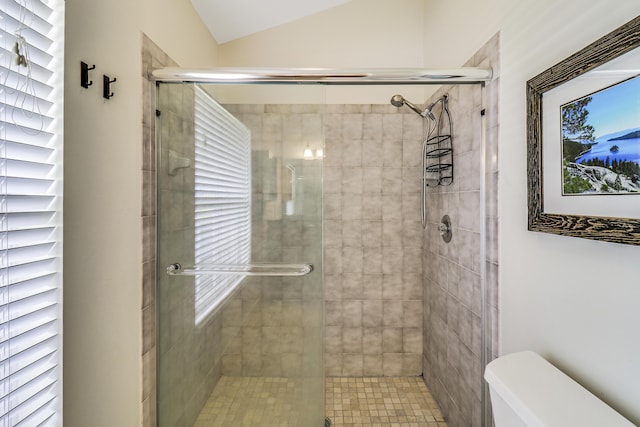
[437, 148]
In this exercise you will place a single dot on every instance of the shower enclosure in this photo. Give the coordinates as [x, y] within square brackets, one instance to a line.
[240, 241]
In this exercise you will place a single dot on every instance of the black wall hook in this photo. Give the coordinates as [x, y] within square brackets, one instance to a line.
[106, 88]
[84, 74]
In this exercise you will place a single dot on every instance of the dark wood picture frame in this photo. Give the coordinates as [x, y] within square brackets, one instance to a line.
[619, 230]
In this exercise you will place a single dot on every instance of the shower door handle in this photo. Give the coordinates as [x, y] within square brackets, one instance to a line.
[290, 270]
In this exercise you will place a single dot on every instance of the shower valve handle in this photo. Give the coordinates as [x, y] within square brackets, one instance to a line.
[445, 228]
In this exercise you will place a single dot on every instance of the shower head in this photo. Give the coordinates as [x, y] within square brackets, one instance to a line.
[398, 101]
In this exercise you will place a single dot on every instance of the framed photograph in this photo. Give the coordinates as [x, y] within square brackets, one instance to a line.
[583, 136]
[601, 141]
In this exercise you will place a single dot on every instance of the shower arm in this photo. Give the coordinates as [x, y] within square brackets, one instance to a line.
[466, 75]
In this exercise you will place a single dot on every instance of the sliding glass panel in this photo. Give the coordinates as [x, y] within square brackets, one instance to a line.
[239, 286]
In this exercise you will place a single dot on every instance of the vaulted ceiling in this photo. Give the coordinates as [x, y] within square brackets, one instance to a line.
[228, 20]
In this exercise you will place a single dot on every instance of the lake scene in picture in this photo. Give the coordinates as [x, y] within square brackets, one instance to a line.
[601, 141]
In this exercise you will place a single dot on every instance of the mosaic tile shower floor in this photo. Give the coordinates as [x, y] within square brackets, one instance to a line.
[388, 401]
[254, 401]
[350, 402]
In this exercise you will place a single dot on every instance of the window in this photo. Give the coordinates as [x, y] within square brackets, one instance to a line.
[223, 200]
[31, 76]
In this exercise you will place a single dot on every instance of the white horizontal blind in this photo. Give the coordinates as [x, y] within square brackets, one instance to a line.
[31, 46]
[223, 199]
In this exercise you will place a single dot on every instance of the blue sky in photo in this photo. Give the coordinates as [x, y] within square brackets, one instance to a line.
[616, 108]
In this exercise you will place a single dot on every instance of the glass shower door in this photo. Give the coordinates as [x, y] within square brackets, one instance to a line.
[239, 285]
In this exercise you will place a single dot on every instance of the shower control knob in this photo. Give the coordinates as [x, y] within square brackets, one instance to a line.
[445, 228]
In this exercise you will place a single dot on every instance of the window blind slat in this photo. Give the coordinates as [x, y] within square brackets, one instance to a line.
[38, 53]
[208, 177]
[41, 396]
[23, 290]
[27, 359]
[41, 8]
[18, 133]
[26, 169]
[28, 220]
[36, 119]
[21, 186]
[28, 372]
[222, 123]
[219, 228]
[211, 189]
[28, 237]
[39, 71]
[224, 220]
[26, 203]
[45, 333]
[220, 247]
[14, 81]
[28, 272]
[32, 304]
[23, 328]
[210, 219]
[19, 246]
[44, 416]
[34, 26]
[210, 151]
[225, 162]
[22, 151]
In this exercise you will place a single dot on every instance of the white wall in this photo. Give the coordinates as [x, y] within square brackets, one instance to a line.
[175, 26]
[359, 34]
[575, 301]
[102, 200]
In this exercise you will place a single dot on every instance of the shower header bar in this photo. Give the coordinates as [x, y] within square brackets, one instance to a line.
[327, 76]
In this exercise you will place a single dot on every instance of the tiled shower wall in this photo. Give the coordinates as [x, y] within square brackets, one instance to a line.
[453, 291]
[275, 323]
[373, 244]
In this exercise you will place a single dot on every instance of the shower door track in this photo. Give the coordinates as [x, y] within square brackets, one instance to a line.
[325, 76]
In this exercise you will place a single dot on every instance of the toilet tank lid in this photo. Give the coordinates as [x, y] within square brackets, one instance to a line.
[542, 395]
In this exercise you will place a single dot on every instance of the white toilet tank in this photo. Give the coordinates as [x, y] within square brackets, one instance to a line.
[528, 391]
